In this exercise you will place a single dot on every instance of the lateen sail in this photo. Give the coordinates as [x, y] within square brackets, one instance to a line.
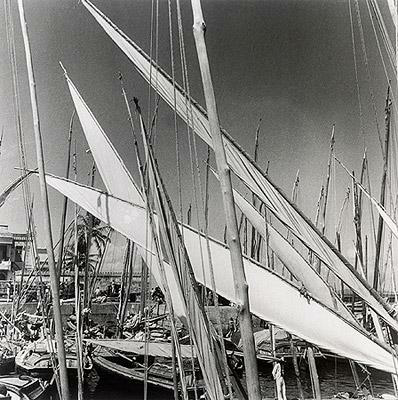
[195, 317]
[105, 154]
[282, 303]
[111, 165]
[116, 212]
[247, 170]
[120, 183]
[106, 158]
[293, 260]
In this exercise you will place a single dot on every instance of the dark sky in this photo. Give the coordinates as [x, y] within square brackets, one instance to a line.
[289, 62]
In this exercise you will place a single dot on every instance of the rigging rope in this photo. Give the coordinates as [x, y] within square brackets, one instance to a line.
[193, 153]
[383, 30]
[177, 148]
[16, 105]
[356, 72]
[150, 67]
[388, 78]
[366, 61]
[22, 143]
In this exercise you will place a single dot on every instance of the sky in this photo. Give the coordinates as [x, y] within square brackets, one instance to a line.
[289, 62]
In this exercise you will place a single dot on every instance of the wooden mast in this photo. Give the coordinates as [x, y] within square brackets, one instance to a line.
[65, 205]
[46, 210]
[383, 189]
[241, 286]
[89, 232]
[327, 187]
[255, 238]
[78, 339]
[313, 373]
[296, 367]
[357, 199]
[338, 231]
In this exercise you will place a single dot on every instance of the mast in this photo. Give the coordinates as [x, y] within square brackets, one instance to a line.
[125, 288]
[383, 189]
[318, 210]
[89, 233]
[327, 186]
[1, 138]
[65, 205]
[255, 239]
[240, 283]
[313, 373]
[78, 339]
[46, 210]
[296, 367]
[357, 202]
[296, 187]
[338, 231]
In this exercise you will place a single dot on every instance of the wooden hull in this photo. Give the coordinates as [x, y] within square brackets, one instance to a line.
[24, 387]
[35, 359]
[107, 365]
[41, 366]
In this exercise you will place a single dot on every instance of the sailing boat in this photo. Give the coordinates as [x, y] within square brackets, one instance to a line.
[108, 208]
[126, 359]
[328, 316]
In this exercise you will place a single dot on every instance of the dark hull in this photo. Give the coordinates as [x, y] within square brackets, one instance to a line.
[7, 365]
[46, 374]
[110, 368]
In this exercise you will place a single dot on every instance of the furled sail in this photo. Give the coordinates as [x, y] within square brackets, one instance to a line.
[393, 11]
[155, 349]
[204, 341]
[248, 171]
[382, 211]
[272, 298]
[11, 187]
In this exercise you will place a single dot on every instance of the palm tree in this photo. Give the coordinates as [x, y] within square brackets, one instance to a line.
[88, 252]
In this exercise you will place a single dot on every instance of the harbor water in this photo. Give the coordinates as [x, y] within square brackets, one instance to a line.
[335, 376]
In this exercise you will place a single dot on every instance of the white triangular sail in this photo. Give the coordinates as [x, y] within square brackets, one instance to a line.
[104, 154]
[247, 170]
[120, 215]
[119, 182]
[271, 297]
[106, 158]
[293, 260]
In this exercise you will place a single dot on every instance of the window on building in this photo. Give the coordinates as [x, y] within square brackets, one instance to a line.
[3, 252]
[18, 253]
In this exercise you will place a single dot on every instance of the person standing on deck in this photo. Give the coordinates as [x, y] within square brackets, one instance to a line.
[277, 374]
